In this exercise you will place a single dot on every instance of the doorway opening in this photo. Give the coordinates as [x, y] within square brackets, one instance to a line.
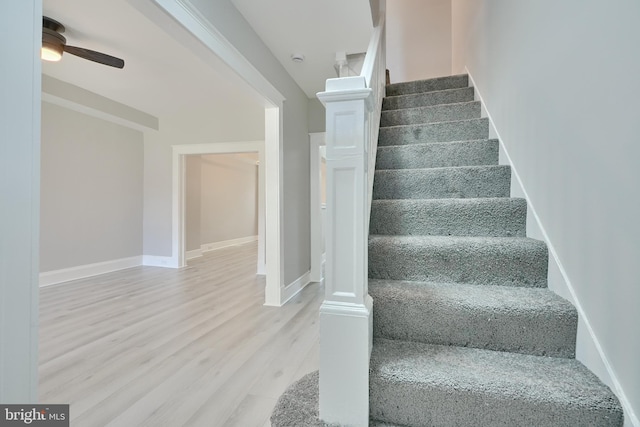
[222, 201]
[180, 153]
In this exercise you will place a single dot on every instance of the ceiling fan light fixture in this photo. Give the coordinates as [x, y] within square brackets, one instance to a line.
[50, 52]
[52, 43]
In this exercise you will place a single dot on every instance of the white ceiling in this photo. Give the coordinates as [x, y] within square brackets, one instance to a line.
[316, 28]
[161, 76]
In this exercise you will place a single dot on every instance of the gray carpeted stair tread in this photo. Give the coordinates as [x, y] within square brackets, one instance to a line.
[506, 261]
[496, 217]
[438, 154]
[447, 96]
[459, 130]
[430, 385]
[441, 183]
[428, 85]
[431, 114]
[502, 318]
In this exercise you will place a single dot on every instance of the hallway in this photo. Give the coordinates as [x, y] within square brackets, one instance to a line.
[161, 347]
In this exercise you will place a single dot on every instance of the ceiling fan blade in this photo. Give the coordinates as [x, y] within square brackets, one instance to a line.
[92, 55]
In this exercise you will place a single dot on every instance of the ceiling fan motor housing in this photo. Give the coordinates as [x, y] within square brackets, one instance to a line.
[52, 39]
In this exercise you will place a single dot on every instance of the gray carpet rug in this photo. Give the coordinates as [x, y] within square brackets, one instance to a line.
[298, 406]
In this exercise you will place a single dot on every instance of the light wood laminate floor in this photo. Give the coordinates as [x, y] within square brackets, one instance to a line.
[157, 347]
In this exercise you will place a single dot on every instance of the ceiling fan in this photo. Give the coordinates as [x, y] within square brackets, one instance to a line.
[54, 43]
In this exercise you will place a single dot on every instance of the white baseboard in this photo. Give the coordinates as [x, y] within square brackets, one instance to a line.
[322, 267]
[588, 348]
[296, 286]
[226, 243]
[318, 276]
[196, 253]
[80, 272]
[159, 261]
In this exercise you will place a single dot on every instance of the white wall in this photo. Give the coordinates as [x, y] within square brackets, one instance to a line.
[295, 162]
[229, 197]
[560, 82]
[19, 199]
[91, 190]
[418, 39]
[192, 202]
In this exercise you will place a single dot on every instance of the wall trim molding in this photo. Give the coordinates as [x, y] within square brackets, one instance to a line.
[261, 268]
[158, 261]
[184, 12]
[316, 142]
[293, 288]
[274, 206]
[86, 102]
[562, 285]
[195, 253]
[55, 277]
[208, 247]
[178, 193]
[218, 147]
[348, 309]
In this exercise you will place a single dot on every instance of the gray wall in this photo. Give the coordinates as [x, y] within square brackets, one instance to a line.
[418, 39]
[239, 120]
[229, 197]
[295, 194]
[192, 208]
[222, 198]
[560, 82]
[317, 116]
[91, 197]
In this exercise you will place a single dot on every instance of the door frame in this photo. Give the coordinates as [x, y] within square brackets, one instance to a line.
[178, 194]
[316, 141]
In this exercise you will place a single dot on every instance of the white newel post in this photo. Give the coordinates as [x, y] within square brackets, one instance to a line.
[346, 314]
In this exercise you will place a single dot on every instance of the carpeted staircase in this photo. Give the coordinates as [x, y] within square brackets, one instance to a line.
[466, 332]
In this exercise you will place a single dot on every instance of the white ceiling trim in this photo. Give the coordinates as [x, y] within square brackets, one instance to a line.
[218, 148]
[187, 15]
